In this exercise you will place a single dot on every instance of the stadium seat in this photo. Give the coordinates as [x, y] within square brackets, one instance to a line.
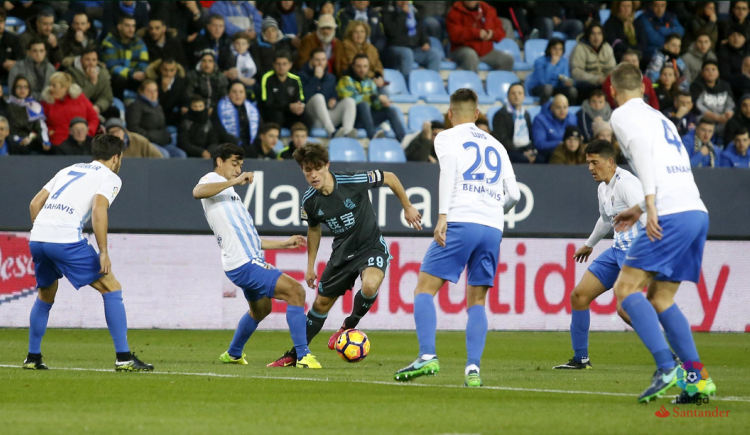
[448, 65]
[498, 83]
[559, 35]
[318, 132]
[14, 24]
[313, 140]
[638, 13]
[428, 85]
[344, 149]
[468, 79]
[285, 132]
[386, 151]
[119, 105]
[491, 114]
[396, 89]
[534, 49]
[511, 47]
[419, 113]
[534, 111]
[573, 110]
[604, 15]
[484, 67]
[278, 147]
[570, 44]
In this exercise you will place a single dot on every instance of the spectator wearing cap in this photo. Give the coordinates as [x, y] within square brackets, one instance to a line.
[282, 95]
[135, 144]
[420, 147]
[240, 16]
[236, 119]
[593, 109]
[549, 125]
[78, 142]
[512, 127]
[206, 80]
[35, 67]
[361, 11]
[62, 101]
[551, 74]
[732, 53]
[354, 43]
[324, 37]
[738, 16]
[216, 40]
[740, 119]
[145, 116]
[571, 150]
[407, 40]
[10, 49]
[126, 57]
[323, 103]
[658, 23]
[197, 135]
[273, 38]
[700, 148]
[262, 147]
[473, 27]
[173, 98]
[41, 26]
[713, 97]
[736, 155]
[162, 42]
[94, 79]
[299, 139]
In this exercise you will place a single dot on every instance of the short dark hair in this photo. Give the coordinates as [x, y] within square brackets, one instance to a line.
[481, 121]
[145, 83]
[90, 49]
[552, 42]
[464, 95]
[82, 13]
[195, 98]
[631, 51]
[740, 131]
[587, 31]
[266, 126]
[225, 151]
[707, 121]
[45, 13]
[360, 56]
[105, 146]
[282, 53]
[314, 154]
[684, 93]
[318, 50]
[160, 19]
[34, 41]
[241, 35]
[672, 36]
[123, 17]
[516, 84]
[215, 17]
[709, 62]
[597, 93]
[602, 147]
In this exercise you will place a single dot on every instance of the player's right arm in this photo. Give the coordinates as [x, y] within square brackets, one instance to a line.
[207, 190]
[37, 203]
[314, 234]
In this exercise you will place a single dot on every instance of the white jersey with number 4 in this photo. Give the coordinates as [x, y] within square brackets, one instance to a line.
[473, 165]
[654, 149]
[71, 199]
[232, 225]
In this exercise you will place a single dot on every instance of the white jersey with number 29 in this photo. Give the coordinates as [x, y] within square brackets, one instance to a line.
[653, 147]
[473, 166]
[71, 199]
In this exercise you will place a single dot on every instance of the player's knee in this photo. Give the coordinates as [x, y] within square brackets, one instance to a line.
[579, 300]
[297, 295]
[259, 314]
[369, 289]
[47, 297]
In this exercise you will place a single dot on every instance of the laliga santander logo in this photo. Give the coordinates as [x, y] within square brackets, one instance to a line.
[692, 377]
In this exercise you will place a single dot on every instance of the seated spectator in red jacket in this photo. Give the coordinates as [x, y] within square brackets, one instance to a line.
[62, 101]
[631, 56]
[79, 141]
[473, 27]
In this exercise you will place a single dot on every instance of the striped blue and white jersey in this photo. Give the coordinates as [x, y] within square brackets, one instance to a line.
[232, 225]
[623, 191]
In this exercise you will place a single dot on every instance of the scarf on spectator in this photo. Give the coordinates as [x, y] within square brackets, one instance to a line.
[130, 10]
[628, 28]
[605, 113]
[520, 129]
[411, 21]
[151, 103]
[34, 110]
[245, 64]
[711, 150]
[230, 120]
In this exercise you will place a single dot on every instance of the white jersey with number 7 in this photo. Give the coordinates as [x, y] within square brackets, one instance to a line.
[473, 166]
[653, 147]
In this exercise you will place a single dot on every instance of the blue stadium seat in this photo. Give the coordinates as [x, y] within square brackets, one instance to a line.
[428, 85]
[534, 49]
[511, 47]
[318, 132]
[570, 44]
[484, 67]
[386, 151]
[397, 90]
[468, 79]
[448, 65]
[278, 147]
[419, 113]
[344, 149]
[285, 132]
[574, 109]
[604, 15]
[498, 83]
[638, 13]
[313, 140]
[534, 111]
[14, 24]
[491, 114]
[560, 35]
[119, 105]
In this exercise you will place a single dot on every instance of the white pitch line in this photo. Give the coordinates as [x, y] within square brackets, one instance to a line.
[362, 381]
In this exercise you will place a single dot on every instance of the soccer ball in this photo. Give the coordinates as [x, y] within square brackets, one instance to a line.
[353, 345]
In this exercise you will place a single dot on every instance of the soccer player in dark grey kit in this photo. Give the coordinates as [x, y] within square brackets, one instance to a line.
[341, 201]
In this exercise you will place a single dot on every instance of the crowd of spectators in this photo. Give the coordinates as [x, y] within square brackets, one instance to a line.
[175, 79]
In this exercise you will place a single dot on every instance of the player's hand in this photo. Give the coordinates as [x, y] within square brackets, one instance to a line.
[582, 254]
[627, 218]
[440, 229]
[310, 277]
[106, 264]
[295, 242]
[413, 218]
[653, 229]
[244, 178]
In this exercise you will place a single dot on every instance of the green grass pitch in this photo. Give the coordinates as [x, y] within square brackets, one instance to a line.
[192, 393]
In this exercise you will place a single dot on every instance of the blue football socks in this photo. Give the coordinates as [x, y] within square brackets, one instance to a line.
[38, 324]
[579, 333]
[646, 323]
[678, 331]
[245, 329]
[117, 321]
[425, 318]
[476, 334]
[297, 321]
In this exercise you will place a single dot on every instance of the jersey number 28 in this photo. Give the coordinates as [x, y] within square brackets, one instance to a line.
[495, 167]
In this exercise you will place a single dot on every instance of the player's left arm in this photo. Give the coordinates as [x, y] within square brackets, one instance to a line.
[411, 214]
[100, 222]
[37, 203]
[293, 242]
